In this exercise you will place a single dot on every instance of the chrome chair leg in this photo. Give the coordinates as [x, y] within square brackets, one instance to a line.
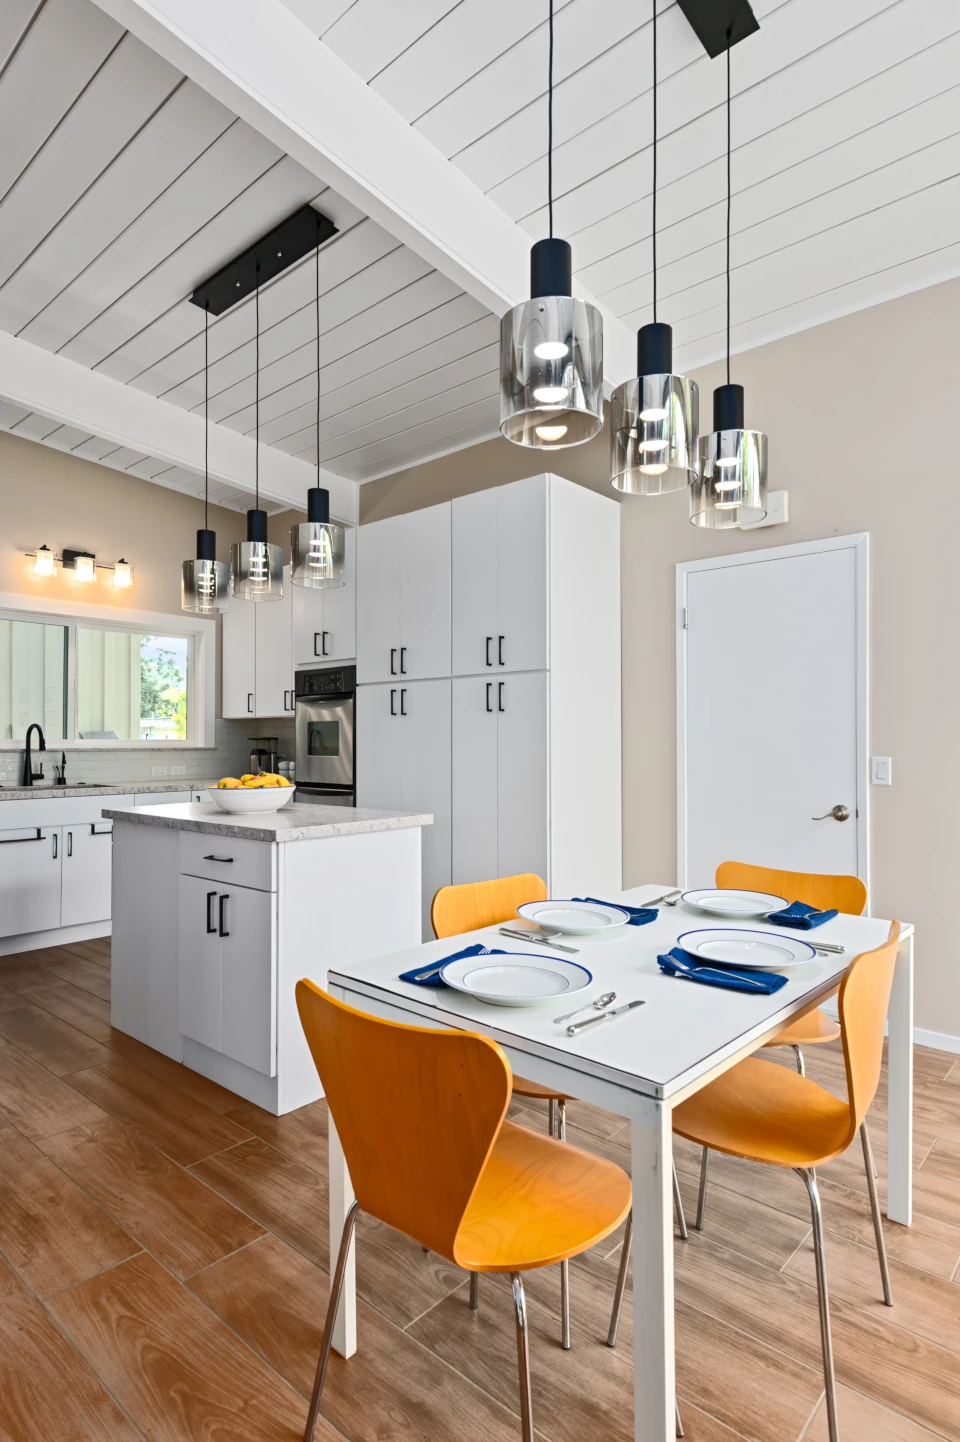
[523, 1358]
[621, 1283]
[801, 1067]
[552, 1118]
[702, 1195]
[678, 1206]
[679, 1425]
[871, 1171]
[560, 1108]
[336, 1288]
[474, 1291]
[823, 1300]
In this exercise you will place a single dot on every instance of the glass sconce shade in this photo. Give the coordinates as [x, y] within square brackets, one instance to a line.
[654, 421]
[316, 546]
[730, 487]
[205, 581]
[123, 574]
[85, 568]
[45, 563]
[551, 359]
[256, 565]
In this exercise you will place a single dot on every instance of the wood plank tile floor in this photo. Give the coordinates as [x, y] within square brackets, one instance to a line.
[163, 1270]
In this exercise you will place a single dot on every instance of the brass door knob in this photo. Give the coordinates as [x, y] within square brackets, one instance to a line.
[836, 813]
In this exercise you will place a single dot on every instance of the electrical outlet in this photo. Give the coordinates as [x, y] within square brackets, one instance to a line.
[178, 771]
[158, 770]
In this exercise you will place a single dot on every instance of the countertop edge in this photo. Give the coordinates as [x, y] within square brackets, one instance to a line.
[237, 827]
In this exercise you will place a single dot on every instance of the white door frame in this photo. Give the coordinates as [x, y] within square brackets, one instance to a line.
[859, 544]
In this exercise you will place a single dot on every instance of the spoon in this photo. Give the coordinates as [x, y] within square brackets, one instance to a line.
[598, 1005]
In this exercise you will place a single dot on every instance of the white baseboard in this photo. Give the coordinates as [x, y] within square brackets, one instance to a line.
[59, 936]
[940, 1040]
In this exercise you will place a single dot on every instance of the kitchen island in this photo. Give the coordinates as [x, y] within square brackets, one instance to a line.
[217, 917]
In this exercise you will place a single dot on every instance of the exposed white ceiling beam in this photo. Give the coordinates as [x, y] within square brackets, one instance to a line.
[38, 380]
[260, 60]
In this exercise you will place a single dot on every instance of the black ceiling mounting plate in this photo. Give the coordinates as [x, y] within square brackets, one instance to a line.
[720, 24]
[287, 243]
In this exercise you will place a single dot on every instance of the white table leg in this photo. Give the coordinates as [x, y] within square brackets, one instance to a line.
[341, 1200]
[651, 1143]
[900, 1089]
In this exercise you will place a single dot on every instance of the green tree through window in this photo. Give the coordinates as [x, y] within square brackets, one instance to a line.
[163, 684]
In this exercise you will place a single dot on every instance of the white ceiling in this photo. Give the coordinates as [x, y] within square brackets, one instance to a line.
[123, 185]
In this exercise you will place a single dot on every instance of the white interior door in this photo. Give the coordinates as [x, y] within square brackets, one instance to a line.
[522, 762]
[772, 711]
[474, 800]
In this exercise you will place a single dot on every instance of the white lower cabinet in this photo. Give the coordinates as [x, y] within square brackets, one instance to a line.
[29, 879]
[227, 970]
[85, 875]
[403, 762]
[500, 807]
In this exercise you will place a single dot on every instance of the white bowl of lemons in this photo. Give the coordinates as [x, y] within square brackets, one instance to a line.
[243, 795]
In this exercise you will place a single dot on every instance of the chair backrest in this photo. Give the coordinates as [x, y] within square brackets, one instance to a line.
[846, 893]
[417, 1112]
[864, 997]
[483, 903]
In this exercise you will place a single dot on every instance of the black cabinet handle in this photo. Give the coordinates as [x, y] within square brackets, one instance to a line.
[500, 705]
[69, 843]
[286, 700]
[106, 831]
[489, 644]
[315, 636]
[393, 660]
[20, 840]
[250, 701]
[55, 846]
[211, 924]
[403, 664]
[393, 700]
[489, 695]
[500, 660]
[403, 697]
[219, 858]
[323, 642]
[223, 914]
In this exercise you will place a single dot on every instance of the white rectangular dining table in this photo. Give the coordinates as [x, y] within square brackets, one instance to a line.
[639, 1066]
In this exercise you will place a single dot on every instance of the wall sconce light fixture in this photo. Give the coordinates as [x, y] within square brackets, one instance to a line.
[83, 564]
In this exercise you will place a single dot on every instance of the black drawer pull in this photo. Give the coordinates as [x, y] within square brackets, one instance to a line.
[489, 644]
[403, 698]
[393, 660]
[403, 662]
[223, 914]
[107, 830]
[69, 843]
[500, 705]
[211, 924]
[19, 840]
[489, 695]
[500, 641]
[393, 700]
[224, 859]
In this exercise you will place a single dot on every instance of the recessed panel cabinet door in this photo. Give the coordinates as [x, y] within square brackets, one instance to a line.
[325, 622]
[248, 988]
[522, 575]
[239, 658]
[474, 583]
[425, 593]
[522, 768]
[378, 599]
[86, 870]
[199, 994]
[379, 780]
[274, 654]
[425, 734]
[29, 880]
[474, 772]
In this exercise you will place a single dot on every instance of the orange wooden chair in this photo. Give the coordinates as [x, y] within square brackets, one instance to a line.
[765, 1113]
[420, 1114]
[469, 907]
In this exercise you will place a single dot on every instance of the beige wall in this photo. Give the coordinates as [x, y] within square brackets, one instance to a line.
[861, 419]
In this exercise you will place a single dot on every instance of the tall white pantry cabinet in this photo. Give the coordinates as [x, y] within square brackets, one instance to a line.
[488, 669]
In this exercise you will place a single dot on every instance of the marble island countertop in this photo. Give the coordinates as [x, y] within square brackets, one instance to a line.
[297, 821]
[45, 792]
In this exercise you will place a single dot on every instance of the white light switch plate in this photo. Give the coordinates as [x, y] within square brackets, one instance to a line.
[881, 770]
[158, 770]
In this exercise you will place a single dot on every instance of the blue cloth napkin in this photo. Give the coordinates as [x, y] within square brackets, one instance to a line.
[433, 977]
[639, 915]
[678, 962]
[801, 916]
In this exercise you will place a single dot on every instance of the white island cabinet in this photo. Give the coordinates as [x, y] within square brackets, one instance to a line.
[216, 918]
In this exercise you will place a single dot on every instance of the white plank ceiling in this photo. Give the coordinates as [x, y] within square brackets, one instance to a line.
[123, 185]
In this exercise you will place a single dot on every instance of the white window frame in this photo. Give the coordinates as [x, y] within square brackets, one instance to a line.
[200, 632]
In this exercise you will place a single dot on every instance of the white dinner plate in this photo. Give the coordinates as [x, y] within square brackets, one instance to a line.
[516, 979]
[749, 949]
[574, 918]
[725, 901]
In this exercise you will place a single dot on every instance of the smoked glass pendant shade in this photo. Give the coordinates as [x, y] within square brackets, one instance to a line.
[316, 546]
[654, 422]
[256, 566]
[730, 486]
[551, 359]
[205, 581]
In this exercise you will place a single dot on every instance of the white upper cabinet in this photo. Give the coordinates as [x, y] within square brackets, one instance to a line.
[403, 597]
[258, 656]
[324, 622]
[499, 595]
[239, 657]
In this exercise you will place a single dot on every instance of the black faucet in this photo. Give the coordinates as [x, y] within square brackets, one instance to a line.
[29, 775]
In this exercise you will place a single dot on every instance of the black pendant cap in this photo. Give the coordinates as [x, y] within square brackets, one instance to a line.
[728, 408]
[206, 545]
[551, 268]
[257, 526]
[318, 504]
[655, 349]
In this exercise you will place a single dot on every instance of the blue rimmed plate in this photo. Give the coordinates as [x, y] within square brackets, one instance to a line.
[761, 950]
[729, 902]
[516, 979]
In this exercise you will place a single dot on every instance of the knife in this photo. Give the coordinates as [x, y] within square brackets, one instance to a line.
[519, 935]
[604, 1016]
[829, 947]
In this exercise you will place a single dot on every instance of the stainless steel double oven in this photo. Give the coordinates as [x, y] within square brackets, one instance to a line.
[325, 735]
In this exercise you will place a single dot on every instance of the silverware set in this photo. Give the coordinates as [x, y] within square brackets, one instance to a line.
[579, 1026]
[541, 938]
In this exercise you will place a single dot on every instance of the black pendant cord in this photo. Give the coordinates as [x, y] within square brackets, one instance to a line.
[729, 195]
[550, 126]
[206, 417]
[256, 308]
[318, 346]
[654, 162]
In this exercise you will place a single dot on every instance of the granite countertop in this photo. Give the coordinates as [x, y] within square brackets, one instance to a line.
[111, 788]
[297, 821]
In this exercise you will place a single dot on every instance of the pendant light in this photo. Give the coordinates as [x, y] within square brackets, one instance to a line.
[205, 582]
[316, 544]
[730, 487]
[654, 418]
[257, 566]
[551, 346]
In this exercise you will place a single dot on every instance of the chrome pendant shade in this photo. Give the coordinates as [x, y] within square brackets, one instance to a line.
[205, 581]
[730, 487]
[551, 358]
[256, 566]
[654, 421]
[316, 545]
